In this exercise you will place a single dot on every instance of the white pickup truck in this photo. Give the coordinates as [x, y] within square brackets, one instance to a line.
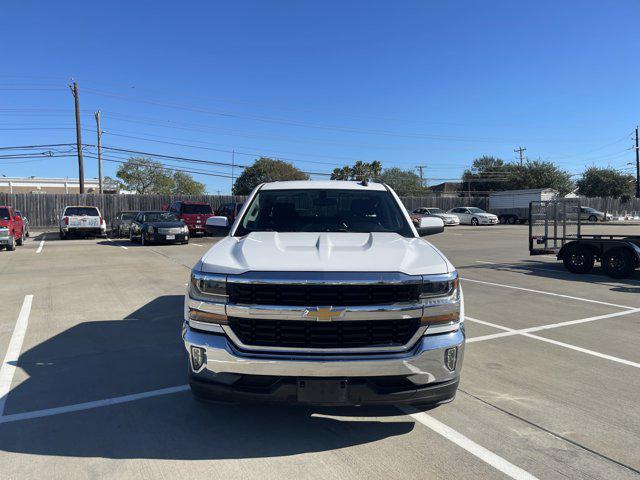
[324, 293]
[82, 221]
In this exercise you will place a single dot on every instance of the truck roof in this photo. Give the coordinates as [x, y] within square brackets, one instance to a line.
[322, 185]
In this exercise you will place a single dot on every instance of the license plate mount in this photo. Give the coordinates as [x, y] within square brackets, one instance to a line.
[322, 390]
[171, 237]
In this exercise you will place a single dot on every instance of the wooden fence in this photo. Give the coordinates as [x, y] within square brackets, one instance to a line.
[43, 209]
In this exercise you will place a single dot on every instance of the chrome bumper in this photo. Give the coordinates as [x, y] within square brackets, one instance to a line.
[425, 360]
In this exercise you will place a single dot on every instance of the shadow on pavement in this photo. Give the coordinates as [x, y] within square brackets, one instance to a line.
[144, 352]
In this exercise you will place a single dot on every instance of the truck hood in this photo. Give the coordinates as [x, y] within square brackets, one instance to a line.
[324, 252]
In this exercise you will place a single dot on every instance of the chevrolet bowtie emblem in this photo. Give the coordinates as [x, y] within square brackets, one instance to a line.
[324, 314]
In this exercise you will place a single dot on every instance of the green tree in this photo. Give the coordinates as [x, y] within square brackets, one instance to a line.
[144, 175]
[184, 184]
[358, 171]
[540, 174]
[606, 182]
[403, 182]
[266, 170]
[487, 174]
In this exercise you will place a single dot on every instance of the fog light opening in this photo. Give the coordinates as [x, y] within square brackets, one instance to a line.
[198, 358]
[450, 358]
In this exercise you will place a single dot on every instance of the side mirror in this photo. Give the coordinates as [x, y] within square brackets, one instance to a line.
[430, 226]
[17, 218]
[217, 225]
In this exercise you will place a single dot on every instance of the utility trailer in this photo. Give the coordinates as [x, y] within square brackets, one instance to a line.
[512, 206]
[555, 228]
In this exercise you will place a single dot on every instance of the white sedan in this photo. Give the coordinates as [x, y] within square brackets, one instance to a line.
[474, 216]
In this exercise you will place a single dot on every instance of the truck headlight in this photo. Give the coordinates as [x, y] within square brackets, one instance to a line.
[208, 287]
[441, 299]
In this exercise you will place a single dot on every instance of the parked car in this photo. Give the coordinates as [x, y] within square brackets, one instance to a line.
[229, 210]
[447, 218]
[11, 228]
[82, 221]
[158, 227]
[474, 216]
[592, 215]
[324, 293]
[121, 223]
[25, 222]
[194, 215]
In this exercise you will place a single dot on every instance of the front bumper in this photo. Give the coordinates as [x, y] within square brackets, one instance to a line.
[160, 238]
[417, 376]
[5, 240]
[85, 230]
[489, 221]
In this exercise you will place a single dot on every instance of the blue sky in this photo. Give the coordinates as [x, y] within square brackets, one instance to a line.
[323, 83]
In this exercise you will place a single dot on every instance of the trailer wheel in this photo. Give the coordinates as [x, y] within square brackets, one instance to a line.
[502, 219]
[618, 262]
[578, 259]
[512, 220]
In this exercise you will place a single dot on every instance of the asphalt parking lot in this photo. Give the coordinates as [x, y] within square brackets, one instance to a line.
[93, 382]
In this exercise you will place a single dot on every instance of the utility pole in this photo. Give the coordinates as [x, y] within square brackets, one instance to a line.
[421, 170]
[97, 115]
[233, 164]
[74, 91]
[521, 151]
[637, 166]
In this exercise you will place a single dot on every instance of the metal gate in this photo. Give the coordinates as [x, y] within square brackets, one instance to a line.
[552, 223]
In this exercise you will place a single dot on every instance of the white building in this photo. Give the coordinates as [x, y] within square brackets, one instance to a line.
[54, 185]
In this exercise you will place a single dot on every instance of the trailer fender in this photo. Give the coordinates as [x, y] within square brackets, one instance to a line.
[560, 254]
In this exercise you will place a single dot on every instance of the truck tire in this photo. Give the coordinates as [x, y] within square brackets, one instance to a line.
[502, 219]
[512, 220]
[618, 262]
[20, 241]
[11, 246]
[474, 222]
[578, 258]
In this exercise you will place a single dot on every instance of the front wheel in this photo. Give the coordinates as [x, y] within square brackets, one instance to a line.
[618, 262]
[474, 222]
[11, 246]
[578, 259]
[20, 241]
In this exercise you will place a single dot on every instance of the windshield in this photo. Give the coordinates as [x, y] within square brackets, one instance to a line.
[160, 217]
[81, 212]
[476, 210]
[435, 210]
[589, 210]
[128, 215]
[195, 209]
[316, 210]
[4, 214]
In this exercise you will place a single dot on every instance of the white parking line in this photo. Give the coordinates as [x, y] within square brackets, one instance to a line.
[13, 352]
[197, 244]
[469, 445]
[14, 417]
[510, 331]
[465, 279]
[40, 246]
[121, 246]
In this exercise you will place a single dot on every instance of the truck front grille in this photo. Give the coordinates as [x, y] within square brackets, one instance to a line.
[337, 334]
[330, 295]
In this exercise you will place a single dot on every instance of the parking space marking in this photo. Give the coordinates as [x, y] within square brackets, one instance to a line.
[121, 246]
[469, 445]
[197, 245]
[8, 368]
[47, 412]
[525, 333]
[542, 292]
[40, 246]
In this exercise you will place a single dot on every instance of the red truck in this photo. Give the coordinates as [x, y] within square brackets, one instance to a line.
[11, 228]
[194, 215]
